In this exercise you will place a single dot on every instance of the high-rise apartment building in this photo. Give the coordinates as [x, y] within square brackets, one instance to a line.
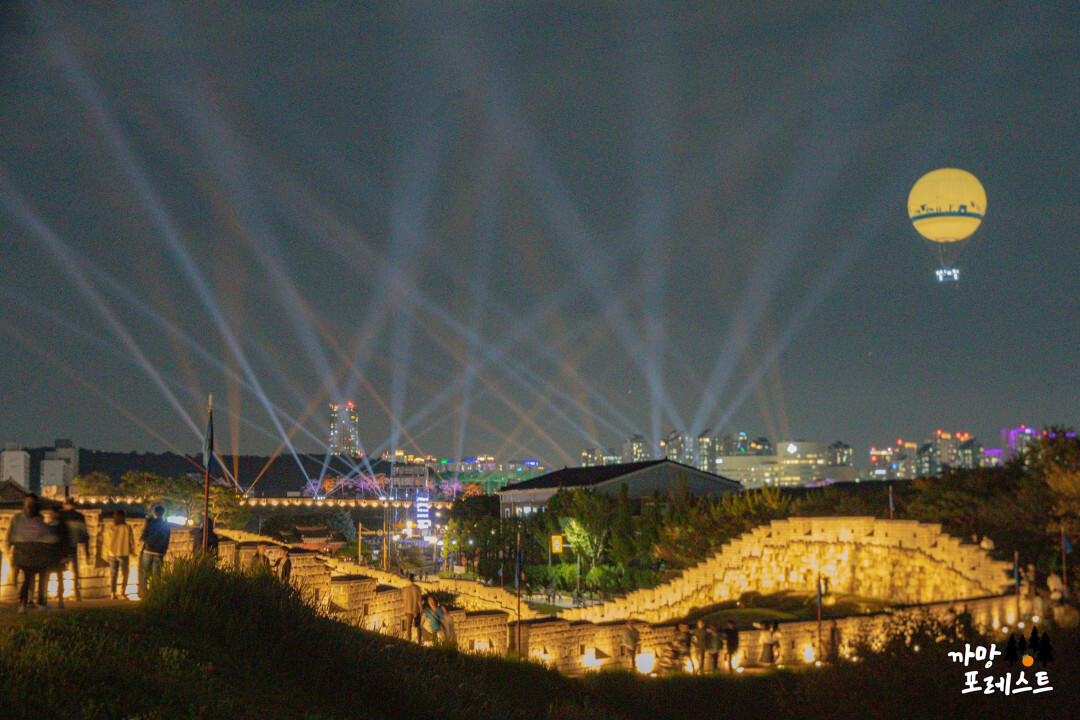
[636, 449]
[15, 465]
[677, 447]
[969, 455]
[344, 432]
[1015, 440]
[706, 451]
[592, 457]
[59, 468]
[928, 461]
[948, 445]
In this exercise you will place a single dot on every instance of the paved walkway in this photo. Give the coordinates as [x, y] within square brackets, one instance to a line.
[11, 608]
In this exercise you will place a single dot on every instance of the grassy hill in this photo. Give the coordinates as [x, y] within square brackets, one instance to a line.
[208, 643]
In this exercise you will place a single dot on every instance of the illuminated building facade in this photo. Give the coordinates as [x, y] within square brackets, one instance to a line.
[802, 462]
[838, 455]
[948, 445]
[58, 469]
[753, 471]
[706, 451]
[761, 446]
[592, 457]
[969, 455]
[928, 461]
[1015, 440]
[636, 449]
[677, 447]
[16, 465]
[344, 435]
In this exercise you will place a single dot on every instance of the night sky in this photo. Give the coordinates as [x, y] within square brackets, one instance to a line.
[525, 229]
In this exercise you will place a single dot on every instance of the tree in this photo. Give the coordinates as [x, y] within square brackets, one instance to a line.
[97, 484]
[624, 549]
[474, 530]
[585, 518]
[1055, 460]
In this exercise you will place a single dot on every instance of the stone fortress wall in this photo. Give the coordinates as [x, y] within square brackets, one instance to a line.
[906, 561]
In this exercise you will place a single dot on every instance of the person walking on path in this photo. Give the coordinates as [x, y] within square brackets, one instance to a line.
[769, 642]
[683, 641]
[712, 658]
[33, 546]
[631, 638]
[700, 641]
[118, 547]
[434, 618]
[57, 561]
[835, 642]
[283, 565]
[410, 598]
[155, 538]
[77, 535]
[259, 561]
[731, 644]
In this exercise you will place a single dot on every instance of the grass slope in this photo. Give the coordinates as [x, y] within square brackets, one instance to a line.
[208, 643]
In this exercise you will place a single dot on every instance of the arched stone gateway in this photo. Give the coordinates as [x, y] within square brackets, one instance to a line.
[903, 561]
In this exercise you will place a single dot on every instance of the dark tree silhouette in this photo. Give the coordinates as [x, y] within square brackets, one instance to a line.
[1021, 646]
[1033, 643]
[1046, 650]
[1011, 656]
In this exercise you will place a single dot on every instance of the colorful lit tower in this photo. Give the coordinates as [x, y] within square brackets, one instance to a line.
[344, 436]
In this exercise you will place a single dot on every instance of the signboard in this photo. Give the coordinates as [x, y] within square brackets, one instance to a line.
[423, 512]
[556, 544]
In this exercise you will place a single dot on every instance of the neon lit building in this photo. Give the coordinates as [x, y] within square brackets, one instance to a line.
[1015, 440]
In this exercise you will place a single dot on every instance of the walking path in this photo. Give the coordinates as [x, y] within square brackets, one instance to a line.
[10, 610]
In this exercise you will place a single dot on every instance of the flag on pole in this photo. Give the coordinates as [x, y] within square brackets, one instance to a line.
[517, 563]
[517, 570]
[208, 440]
[1066, 544]
[819, 592]
[891, 508]
[1016, 571]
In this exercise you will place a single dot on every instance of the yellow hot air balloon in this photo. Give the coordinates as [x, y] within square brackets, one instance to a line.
[946, 206]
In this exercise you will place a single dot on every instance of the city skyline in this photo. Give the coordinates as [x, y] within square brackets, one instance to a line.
[525, 234]
[1010, 442]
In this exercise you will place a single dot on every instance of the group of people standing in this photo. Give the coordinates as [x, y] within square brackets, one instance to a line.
[44, 542]
[705, 648]
[260, 562]
[708, 647]
[429, 619]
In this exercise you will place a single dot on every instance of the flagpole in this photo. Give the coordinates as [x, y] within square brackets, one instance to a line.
[1064, 574]
[517, 584]
[1016, 580]
[819, 654]
[206, 462]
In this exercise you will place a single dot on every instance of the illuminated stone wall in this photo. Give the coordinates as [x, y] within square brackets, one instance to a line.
[906, 561]
[902, 561]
